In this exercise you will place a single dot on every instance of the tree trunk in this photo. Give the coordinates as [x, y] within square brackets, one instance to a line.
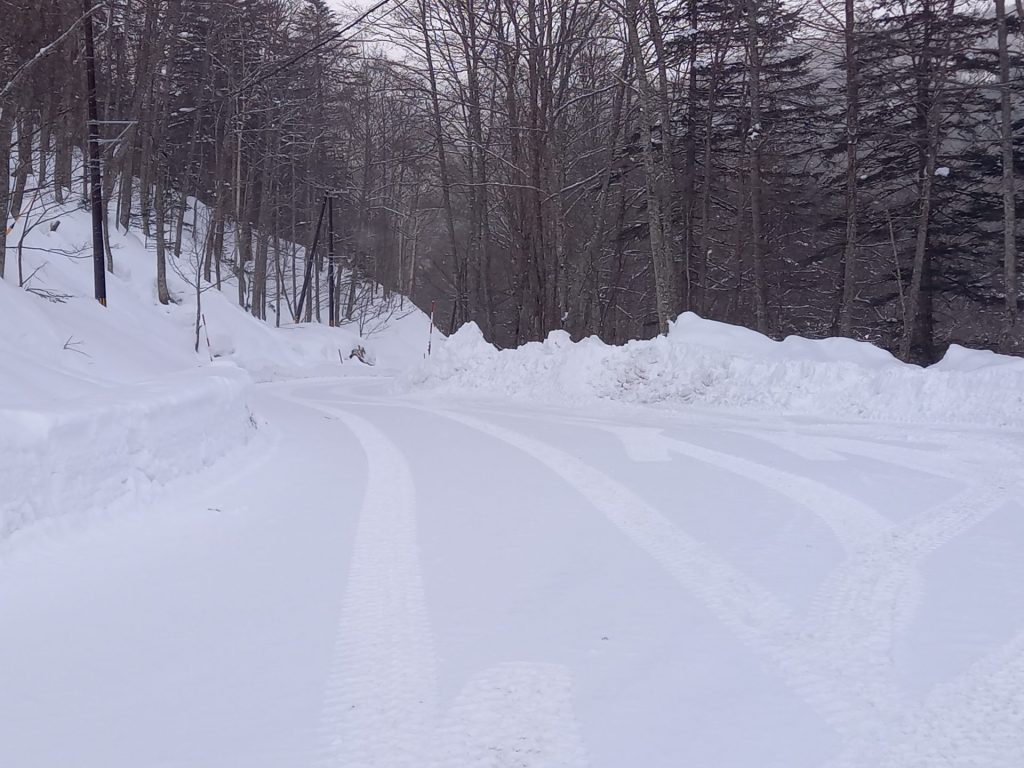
[442, 160]
[705, 194]
[760, 291]
[62, 153]
[160, 204]
[5, 186]
[666, 174]
[914, 331]
[259, 277]
[689, 192]
[24, 166]
[124, 199]
[1010, 286]
[664, 281]
[852, 130]
[44, 148]
[243, 233]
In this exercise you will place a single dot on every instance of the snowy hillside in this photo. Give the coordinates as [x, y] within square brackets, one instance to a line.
[136, 337]
[97, 403]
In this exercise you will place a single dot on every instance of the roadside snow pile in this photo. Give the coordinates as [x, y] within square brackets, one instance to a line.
[77, 457]
[100, 403]
[702, 362]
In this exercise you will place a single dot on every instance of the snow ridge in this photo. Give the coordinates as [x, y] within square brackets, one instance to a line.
[381, 700]
[73, 459]
[701, 362]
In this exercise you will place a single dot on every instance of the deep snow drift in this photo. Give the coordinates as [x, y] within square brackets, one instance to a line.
[706, 363]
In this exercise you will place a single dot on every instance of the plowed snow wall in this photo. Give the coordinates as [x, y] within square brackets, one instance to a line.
[703, 363]
[86, 455]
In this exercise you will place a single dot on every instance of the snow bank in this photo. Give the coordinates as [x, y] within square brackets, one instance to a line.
[72, 458]
[309, 349]
[701, 362]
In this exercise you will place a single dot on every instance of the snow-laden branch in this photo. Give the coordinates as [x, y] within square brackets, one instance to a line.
[41, 54]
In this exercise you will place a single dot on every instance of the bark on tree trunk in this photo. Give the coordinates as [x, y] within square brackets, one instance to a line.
[689, 196]
[244, 235]
[160, 202]
[919, 292]
[5, 187]
[705, 195]
[755, 139]
[664, 281]
[23, 167]
[1010, 285]
[442, 159]
[666, 174]
[44, 148]
[259, 277]
[852, 130]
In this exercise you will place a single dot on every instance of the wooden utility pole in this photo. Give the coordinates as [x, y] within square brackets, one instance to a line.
[332, 314]
[96, 188]
[310, 255]
[1009, 193]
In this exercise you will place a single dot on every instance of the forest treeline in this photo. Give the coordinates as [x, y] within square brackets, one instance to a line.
[836, 167]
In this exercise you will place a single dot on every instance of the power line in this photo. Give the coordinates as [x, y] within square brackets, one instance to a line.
[314, 48]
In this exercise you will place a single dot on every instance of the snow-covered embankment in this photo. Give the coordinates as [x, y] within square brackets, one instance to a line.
[79, 457]
[702, 362]
[99, 404]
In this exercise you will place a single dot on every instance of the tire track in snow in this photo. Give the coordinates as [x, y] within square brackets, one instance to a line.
[813, 665]
[381, 700]
[514, 714]
[749, 610]
[973, 721]
[853, 522]
[868, 603]
[853, 695]
[381, 704]
[743, 605]
[836, 448]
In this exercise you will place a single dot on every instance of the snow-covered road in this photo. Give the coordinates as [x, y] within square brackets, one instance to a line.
[383, 581]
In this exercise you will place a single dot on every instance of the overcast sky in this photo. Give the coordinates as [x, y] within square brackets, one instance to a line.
[349, 9]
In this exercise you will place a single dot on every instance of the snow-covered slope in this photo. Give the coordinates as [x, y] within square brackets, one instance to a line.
[96, 402]
[701, 362]
[135, 337]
